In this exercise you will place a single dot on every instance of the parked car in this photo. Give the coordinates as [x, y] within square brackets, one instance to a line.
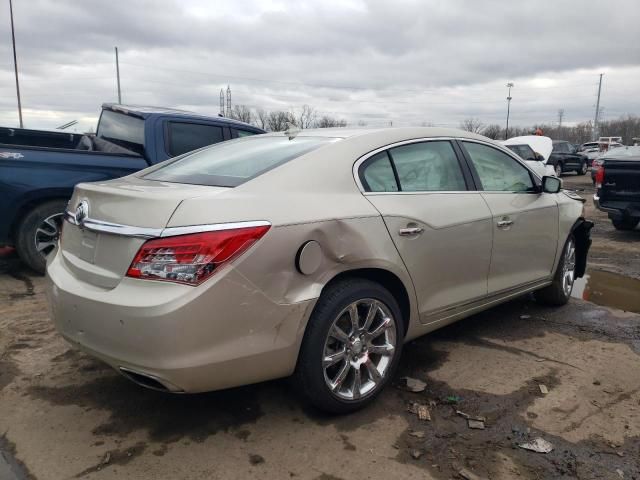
[591, 150]
[533, 149]
[603, 149]
[618, 187]
[316, 254]
[564, 158]
[38, 169]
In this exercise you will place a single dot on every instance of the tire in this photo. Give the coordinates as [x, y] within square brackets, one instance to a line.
[558, 169]
[625, 224]
[558, 293]
[328, 387]
[38, 233]
[583, 169]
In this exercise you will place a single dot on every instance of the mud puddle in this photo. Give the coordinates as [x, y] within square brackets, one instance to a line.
[609, 290]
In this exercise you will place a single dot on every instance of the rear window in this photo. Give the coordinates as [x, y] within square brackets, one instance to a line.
[229, 164]
[123, 130]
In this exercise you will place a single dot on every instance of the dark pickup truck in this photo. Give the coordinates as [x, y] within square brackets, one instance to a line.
[618, 187]
[38, 169]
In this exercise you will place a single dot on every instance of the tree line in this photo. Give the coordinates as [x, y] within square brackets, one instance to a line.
[627, 127]
[280, 120]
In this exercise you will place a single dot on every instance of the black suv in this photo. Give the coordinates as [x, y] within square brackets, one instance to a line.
[565, 158]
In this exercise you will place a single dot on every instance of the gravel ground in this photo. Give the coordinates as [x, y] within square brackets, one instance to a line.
[65, 415]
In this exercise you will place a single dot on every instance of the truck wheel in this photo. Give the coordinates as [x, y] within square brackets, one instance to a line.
[38, 233]
[351, 347]
[625, 223]
[558, 169]
[559, 292]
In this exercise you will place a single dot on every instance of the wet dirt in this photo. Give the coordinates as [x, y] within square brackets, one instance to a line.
[609, 289]
[166, 418]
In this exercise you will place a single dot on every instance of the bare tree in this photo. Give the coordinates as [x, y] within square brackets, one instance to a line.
[262, 118]
[242, 113]
[492, 131]
[329, 122]
[473, 125]
[306, 118]
[278, 121]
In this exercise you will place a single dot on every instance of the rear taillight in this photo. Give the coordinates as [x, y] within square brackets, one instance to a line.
[192, 258]
[600, 176]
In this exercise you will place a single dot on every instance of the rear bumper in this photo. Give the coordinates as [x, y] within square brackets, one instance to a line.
[617, 209]
[221, 334]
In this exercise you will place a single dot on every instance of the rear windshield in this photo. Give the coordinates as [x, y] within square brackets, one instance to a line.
[123, 130]
[229, 164]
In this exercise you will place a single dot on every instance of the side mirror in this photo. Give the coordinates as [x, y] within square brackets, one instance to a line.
[539, 157]
[551, 184]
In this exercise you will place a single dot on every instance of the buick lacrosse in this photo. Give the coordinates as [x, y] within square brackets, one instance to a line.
[315, 254]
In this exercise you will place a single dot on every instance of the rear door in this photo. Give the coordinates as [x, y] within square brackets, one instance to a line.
[440, 225]
[525, 222]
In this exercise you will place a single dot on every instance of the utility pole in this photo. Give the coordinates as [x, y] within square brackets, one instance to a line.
[506, 131]
[118, 76]
[15, 63]
[597, 117]
[222, 102]
[560, 116]
[228, 101]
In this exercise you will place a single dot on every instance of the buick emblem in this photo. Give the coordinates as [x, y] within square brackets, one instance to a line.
[82, 212]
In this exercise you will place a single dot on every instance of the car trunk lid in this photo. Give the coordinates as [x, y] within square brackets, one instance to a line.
[120, 216]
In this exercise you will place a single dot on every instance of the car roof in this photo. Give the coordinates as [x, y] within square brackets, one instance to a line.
[148, 111]
[623, 153]
[400, 133]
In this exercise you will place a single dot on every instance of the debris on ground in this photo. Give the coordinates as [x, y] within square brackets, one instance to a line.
[417, 434]
[524, 317]
[620, 473]
[475, 424]
[106, 459]
[419, 409]
[416, 454]
[453, 399]
[467, 475]
[413, 385]
[543, 389]
[539, 445]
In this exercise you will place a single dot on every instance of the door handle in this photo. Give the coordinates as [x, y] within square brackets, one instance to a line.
[505, 223]
[406, 232]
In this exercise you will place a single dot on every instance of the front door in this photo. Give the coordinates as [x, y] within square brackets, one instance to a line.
[525, 221]
[441, 228]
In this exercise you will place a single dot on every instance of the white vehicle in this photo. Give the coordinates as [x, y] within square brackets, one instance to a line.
[535, 150]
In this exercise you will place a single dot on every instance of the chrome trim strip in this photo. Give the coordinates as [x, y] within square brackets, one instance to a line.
[215, 227]
[147, 232]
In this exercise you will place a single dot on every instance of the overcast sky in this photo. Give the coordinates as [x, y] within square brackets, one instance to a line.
[406, 62]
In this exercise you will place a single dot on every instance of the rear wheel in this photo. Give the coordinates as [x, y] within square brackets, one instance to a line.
[38, 233]
[351, 347]
[625, 223]
[559, 292]
[558, 169]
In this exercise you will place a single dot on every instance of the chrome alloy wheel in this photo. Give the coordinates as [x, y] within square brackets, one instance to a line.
[359, 349]
[47, 234]
[569, 267]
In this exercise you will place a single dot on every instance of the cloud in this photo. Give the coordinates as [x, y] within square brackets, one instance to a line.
[409, 62]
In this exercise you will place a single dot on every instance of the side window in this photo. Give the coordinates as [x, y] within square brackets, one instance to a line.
[185, 137]
[377, 174]
[244, 133]
[428, 167]
[498, 172]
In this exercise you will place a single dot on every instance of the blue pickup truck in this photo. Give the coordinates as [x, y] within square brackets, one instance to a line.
[38, 169]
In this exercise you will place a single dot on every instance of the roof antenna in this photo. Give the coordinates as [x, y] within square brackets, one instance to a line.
[292, 130]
